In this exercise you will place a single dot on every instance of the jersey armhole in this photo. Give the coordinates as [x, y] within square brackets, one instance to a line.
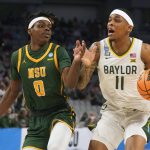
[57, 66]
[19, 59]
[55, 57]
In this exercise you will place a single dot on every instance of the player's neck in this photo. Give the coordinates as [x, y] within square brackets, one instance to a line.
[35, 46]
[120, 46]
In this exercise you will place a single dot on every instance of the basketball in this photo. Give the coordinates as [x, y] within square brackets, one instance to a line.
[143, 84]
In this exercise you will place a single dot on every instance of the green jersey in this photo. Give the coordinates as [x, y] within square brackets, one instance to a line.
[40, 73]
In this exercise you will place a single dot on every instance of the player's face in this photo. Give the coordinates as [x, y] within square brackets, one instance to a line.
[117, 27]
[41, 31]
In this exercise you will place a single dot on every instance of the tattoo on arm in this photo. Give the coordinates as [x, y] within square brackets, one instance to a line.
[85, 75]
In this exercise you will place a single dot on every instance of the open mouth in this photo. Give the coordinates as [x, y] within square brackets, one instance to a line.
[110, 31]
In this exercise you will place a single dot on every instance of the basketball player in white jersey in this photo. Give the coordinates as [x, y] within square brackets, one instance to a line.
[119, 59]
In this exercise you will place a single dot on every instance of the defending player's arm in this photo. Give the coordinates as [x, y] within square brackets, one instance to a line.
[69, 72]
[145, 55]
[89, 63]
[13, 88]
[70, 75]
[10, 96]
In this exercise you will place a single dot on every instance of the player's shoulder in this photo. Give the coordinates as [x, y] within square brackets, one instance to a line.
[96, 43]
[102, 41]
[145, 46]
[145, 54]
[54, 44]
[15, 53]
[20, 48]
[136, 40]
[145, 49]
[57, 46]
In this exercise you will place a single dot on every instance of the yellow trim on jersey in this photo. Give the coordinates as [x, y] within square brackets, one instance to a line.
[19, 59]
[35, 148]
[55, 57]
[56, 65]
[42, 57]
[61, 86]
[108, 43]
[58, 120]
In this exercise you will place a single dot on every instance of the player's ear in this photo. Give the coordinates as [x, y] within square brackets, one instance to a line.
[29, 32]
[130, 28]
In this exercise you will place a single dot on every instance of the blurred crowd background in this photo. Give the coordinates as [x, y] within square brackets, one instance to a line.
[77, 20]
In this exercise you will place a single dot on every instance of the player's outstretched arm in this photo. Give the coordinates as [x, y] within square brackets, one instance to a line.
[10, 95]
[89, 62]
[70, 75]
[145, 55]
[85, 75]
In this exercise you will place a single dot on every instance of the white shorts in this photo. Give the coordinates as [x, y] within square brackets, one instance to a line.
[118, 124]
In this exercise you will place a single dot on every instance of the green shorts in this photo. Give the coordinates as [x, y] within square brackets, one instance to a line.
[40, 128]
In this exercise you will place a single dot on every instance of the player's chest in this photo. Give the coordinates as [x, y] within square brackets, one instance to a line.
[42, 69]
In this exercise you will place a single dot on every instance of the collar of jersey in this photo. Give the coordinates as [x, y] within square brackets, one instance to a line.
[109, 45]
[42, 57]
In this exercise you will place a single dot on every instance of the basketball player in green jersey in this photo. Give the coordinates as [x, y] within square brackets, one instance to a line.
[120, 59]
[43, 69]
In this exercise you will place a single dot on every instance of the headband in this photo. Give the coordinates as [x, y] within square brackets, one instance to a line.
[124, 15]
[32, 22]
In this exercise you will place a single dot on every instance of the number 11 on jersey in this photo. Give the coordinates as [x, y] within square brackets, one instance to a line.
[120, 82]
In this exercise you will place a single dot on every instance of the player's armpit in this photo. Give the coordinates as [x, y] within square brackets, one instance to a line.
[85, 75]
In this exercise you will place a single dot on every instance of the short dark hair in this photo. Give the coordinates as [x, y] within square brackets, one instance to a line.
[47, 14]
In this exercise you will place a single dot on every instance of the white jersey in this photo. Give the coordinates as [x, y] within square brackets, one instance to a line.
[118, 76]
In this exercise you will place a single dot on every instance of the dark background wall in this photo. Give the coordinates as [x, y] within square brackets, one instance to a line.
[83, 10]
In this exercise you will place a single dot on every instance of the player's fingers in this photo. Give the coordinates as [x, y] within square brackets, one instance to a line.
[78, 51]
[74, 52]
[94, 49]
[77, 43]
[84, 46]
